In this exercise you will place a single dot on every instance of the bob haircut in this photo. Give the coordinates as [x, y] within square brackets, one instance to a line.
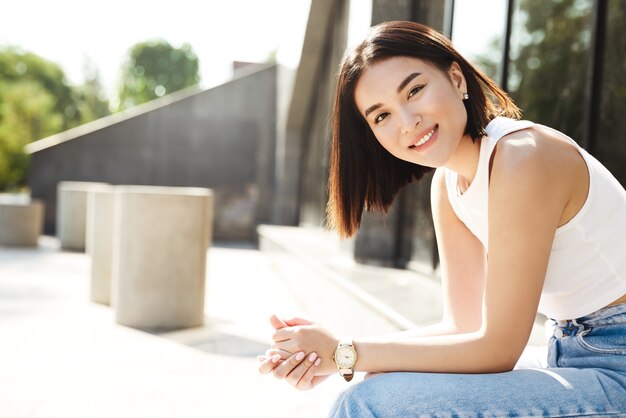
[363, 175]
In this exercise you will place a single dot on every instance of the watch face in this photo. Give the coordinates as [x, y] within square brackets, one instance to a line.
[345, 357]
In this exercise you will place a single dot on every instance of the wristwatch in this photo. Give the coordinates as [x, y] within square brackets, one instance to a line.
[345, 358]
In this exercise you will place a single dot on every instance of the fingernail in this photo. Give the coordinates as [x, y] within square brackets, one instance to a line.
[312, 357]
[300, 356]
[275, 358]
[261, 358]
[318, 361]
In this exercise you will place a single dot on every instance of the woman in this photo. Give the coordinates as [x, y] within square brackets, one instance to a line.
[526, 221]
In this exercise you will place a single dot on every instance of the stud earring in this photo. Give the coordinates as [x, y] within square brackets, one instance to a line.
[465, 96]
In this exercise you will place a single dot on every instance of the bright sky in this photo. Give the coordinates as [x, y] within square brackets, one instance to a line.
[69, 32]
[220, 31]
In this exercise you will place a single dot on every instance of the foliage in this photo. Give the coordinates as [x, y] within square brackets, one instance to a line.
[90, 99]
[549, 64]
[154, 69]
[36, 101]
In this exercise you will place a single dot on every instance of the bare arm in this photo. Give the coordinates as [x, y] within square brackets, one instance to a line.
[520, 241]
[526, 200]
[463, 268]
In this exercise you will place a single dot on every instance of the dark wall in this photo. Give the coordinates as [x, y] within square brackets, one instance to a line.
[222, 138]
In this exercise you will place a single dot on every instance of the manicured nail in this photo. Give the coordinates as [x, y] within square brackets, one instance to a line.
[318, 361]
[276, 358]
[312, 357]
[300, 356]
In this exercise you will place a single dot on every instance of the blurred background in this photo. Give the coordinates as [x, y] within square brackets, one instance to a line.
[236, 96]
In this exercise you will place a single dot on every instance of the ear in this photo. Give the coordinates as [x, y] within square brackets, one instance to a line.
[457, 78]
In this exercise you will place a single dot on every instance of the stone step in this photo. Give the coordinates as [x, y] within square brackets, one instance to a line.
[320, 273]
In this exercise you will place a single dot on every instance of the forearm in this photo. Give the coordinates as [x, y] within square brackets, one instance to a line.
[440, 328]
[460, 353]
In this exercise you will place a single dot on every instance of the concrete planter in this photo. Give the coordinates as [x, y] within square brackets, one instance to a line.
[99, 244]
[21, 220]
[71, 221]
[159, 259]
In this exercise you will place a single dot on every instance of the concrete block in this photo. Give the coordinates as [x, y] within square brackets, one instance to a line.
[99, 244]
[72, 212]
[159, 256]
[21, 220]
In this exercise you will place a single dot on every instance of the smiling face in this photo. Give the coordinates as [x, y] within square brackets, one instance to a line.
[414, 109]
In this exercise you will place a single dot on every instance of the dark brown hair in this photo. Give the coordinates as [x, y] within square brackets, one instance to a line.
[363, 175]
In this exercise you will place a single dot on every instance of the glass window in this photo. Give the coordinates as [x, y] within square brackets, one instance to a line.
[478, 33]
[611, 137]
[549, 55]
[424, 257]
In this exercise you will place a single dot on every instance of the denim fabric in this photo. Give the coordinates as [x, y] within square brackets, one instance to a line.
[586, 377]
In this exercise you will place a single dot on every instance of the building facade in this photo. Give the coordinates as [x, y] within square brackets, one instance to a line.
[562, 61]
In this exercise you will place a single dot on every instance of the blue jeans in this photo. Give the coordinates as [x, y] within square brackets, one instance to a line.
[586, 377]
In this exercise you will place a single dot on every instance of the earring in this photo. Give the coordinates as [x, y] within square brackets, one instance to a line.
[465, 96]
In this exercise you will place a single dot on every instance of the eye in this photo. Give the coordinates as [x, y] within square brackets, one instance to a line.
[380, 117]
[415, 90]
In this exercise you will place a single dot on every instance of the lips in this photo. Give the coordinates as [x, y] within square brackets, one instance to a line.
[424, 138]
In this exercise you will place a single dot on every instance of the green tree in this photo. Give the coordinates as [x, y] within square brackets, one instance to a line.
[90, 98]
[26, 112]
[36, 101]
[17, 66]
[154, 69]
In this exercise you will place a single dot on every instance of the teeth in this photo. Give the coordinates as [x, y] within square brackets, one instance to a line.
[424, 139]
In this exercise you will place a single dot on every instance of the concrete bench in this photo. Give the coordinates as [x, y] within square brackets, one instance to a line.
[71, 218]
[160, 241]
[21, 220]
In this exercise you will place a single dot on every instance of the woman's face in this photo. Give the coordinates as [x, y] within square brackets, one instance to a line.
[414, 109]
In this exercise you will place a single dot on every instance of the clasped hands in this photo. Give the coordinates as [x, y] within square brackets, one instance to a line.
[302, 353]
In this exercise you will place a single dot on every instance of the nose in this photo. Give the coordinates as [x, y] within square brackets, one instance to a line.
[409, 120]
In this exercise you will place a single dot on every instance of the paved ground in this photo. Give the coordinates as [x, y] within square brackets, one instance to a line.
[63, 356]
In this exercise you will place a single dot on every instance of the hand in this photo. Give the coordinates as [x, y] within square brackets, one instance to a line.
[297, 370]
[298, 373]
[272, 357]
[278, 323]
[306, 338]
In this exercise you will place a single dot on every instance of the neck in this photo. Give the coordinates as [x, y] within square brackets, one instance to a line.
[464, 161]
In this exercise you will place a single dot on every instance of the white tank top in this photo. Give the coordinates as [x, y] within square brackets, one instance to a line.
[587, 265]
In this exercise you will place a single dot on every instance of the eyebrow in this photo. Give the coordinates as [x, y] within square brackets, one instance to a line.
[401, 87]
[406, 81]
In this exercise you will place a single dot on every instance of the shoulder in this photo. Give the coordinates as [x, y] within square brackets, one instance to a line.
[533, 160]
[535, 151]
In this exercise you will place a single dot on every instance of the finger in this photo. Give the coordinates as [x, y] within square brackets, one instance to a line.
[283, 369]
[301, 369]
[269, 364]
[284, 354]
[297, 321]
[282, 334]
[276, 322]
[305, 382]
